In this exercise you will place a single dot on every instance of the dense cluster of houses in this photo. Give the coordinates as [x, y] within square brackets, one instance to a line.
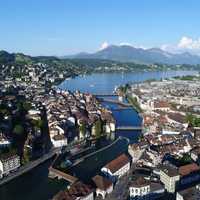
[21, 123]
[166, 104]
[173, 160]
[74, 116]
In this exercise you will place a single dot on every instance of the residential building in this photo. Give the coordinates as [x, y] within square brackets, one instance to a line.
[77, 191]
[141, 189]
[103, 186]
[59, 140]
[169, 176]
[117, 167]
[8, 163]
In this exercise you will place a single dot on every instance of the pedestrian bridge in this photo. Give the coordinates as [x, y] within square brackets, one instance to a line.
[129, 128]
[105, 95]
[61, 175]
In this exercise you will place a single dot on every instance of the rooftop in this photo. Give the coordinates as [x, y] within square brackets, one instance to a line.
[190, 194]
[102, 182]
[118, 163]
[187, 169]
[140, 182]
[170, 170]
[78, 189]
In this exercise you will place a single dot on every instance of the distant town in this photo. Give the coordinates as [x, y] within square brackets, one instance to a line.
[39, 121]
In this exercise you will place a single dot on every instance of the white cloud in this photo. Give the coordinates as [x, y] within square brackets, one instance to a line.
[125, 44]
[104, 45]
[185, 44]
[189, 43]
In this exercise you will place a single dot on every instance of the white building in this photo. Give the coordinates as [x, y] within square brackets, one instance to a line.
[8, 164]
[110, 127]
[59, 141]
[169, 176]
[143, 189]
[4, 142]
[117, 167]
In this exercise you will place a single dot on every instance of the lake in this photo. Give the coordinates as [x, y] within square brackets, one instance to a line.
[106, 82]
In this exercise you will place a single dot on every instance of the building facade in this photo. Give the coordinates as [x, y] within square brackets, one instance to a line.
[9, 164]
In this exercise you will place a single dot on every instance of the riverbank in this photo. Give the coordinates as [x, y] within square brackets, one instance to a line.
[31, 165]
[84, 167]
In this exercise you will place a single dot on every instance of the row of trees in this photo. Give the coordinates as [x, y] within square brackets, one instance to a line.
[97, 129]
[134, 102]
[193, 120]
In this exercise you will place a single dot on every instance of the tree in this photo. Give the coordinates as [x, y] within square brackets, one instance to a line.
[186, 159]
[27, 106]
[82, 129]
[193, 120]
[27, 155]
[98, 128]
[134, 102]
[38, 123]
[18, 129]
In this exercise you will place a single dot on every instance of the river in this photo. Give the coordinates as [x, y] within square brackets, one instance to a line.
[35, 184]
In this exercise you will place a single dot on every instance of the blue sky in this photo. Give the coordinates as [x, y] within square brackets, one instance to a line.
[61, 27]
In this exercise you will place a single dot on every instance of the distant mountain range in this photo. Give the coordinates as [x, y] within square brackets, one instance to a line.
[109, 56]
[125, 53]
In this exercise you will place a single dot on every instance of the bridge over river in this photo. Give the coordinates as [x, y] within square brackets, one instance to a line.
[105, 95]
[129, 128]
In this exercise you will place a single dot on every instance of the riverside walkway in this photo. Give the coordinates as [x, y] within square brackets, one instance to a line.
[29, 166]
[73, 173]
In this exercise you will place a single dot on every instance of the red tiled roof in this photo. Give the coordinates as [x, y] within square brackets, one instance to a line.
[101, 182]
[118, 163]
[187, 169]
[161, 104]
[78, 189]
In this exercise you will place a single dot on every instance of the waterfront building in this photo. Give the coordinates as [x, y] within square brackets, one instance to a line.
[4, 142]
[77, 191]
[141, 189]
[117, 167]
[8, 163]
[169, 176]
[103, 186]
[59, 140]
